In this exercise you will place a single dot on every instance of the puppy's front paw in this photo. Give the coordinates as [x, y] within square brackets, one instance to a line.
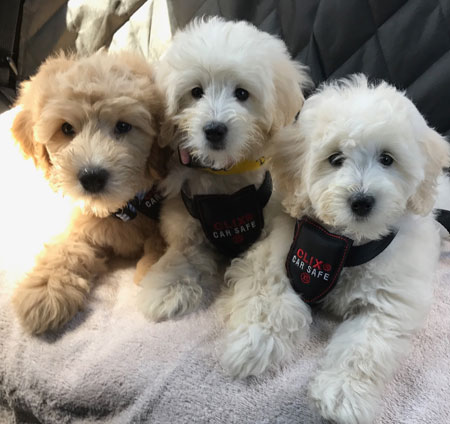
[344, 398]
[252, 350]
[143, 267]
[161, 300]
[46, 302]
[267, 323]
[249, 351]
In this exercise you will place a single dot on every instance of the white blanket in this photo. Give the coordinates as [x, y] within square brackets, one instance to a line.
[110, 365]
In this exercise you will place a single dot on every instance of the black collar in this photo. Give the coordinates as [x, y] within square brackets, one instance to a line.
[148, 203]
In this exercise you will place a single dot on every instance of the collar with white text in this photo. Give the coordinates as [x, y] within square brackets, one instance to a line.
[145, 202]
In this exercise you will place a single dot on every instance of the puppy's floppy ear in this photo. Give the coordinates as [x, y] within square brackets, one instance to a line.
[156, 105]
[287, 164]
[158, 160]
[22, 131]
[168, 133]
[149, 92]
[290, 79]
[436, 151]
[167, 83]
[33, 95]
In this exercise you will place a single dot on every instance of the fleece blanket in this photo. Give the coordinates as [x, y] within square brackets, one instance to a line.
[110, 365]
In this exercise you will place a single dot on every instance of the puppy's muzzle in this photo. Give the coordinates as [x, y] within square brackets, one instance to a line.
[361, 204]
[93, 180]
[215, 133]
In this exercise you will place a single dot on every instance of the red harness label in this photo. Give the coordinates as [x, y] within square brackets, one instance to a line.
[232, 223]
[315, 260]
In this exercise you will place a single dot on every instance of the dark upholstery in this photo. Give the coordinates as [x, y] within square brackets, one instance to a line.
[406, 42]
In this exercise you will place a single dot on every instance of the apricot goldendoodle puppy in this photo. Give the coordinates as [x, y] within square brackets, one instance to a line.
[92, 125]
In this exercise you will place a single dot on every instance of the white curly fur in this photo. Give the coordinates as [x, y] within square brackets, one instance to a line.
[381, 302]
[219, 57]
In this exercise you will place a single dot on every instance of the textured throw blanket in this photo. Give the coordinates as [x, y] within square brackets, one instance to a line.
[110, 365]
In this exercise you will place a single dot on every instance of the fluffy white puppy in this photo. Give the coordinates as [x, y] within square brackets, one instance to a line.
[228, 87]
[362, 162]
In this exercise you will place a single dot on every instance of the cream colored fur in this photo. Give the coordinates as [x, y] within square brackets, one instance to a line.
[381, 303]
[91, 94]
[219, 57]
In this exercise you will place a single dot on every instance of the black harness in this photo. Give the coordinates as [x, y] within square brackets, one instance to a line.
[316, 258]
[231, 222]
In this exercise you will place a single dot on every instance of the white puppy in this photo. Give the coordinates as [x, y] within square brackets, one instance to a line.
[228, 86]
[362, 163]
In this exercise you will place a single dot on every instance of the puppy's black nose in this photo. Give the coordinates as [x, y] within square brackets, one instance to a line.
[93, 179]
[361, 203]
[215, 133]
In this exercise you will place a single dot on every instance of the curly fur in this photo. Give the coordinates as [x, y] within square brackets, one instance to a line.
[383, 302]
[91, 94]
[219, 57]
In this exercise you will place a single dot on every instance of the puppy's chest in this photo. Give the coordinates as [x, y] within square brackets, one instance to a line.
[123, 238]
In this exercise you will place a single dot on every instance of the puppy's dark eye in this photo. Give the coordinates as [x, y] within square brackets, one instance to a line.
[197, 92]
[122, 127]
[386, 159]
[241, 94]
[67, 129]
[336, 159]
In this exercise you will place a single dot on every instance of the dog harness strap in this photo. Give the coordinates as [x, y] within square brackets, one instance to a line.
[265, 190]
[443, 217]
[189, 204]
[366, 252]
[231, 222]
[263, 193]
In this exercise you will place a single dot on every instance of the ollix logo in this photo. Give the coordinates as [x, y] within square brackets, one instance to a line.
[311, 266]
[234, 228]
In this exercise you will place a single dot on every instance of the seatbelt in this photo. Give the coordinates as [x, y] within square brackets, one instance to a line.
[443, 217]
[10, 23]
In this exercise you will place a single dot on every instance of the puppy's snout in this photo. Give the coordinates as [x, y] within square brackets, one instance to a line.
[361, 204]
[215, 133]
[93, 179]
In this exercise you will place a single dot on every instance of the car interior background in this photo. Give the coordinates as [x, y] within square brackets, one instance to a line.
[104, 368]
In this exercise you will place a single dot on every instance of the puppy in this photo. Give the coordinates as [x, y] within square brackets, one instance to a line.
[360, 164]
[91, 124]
[228, 87]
